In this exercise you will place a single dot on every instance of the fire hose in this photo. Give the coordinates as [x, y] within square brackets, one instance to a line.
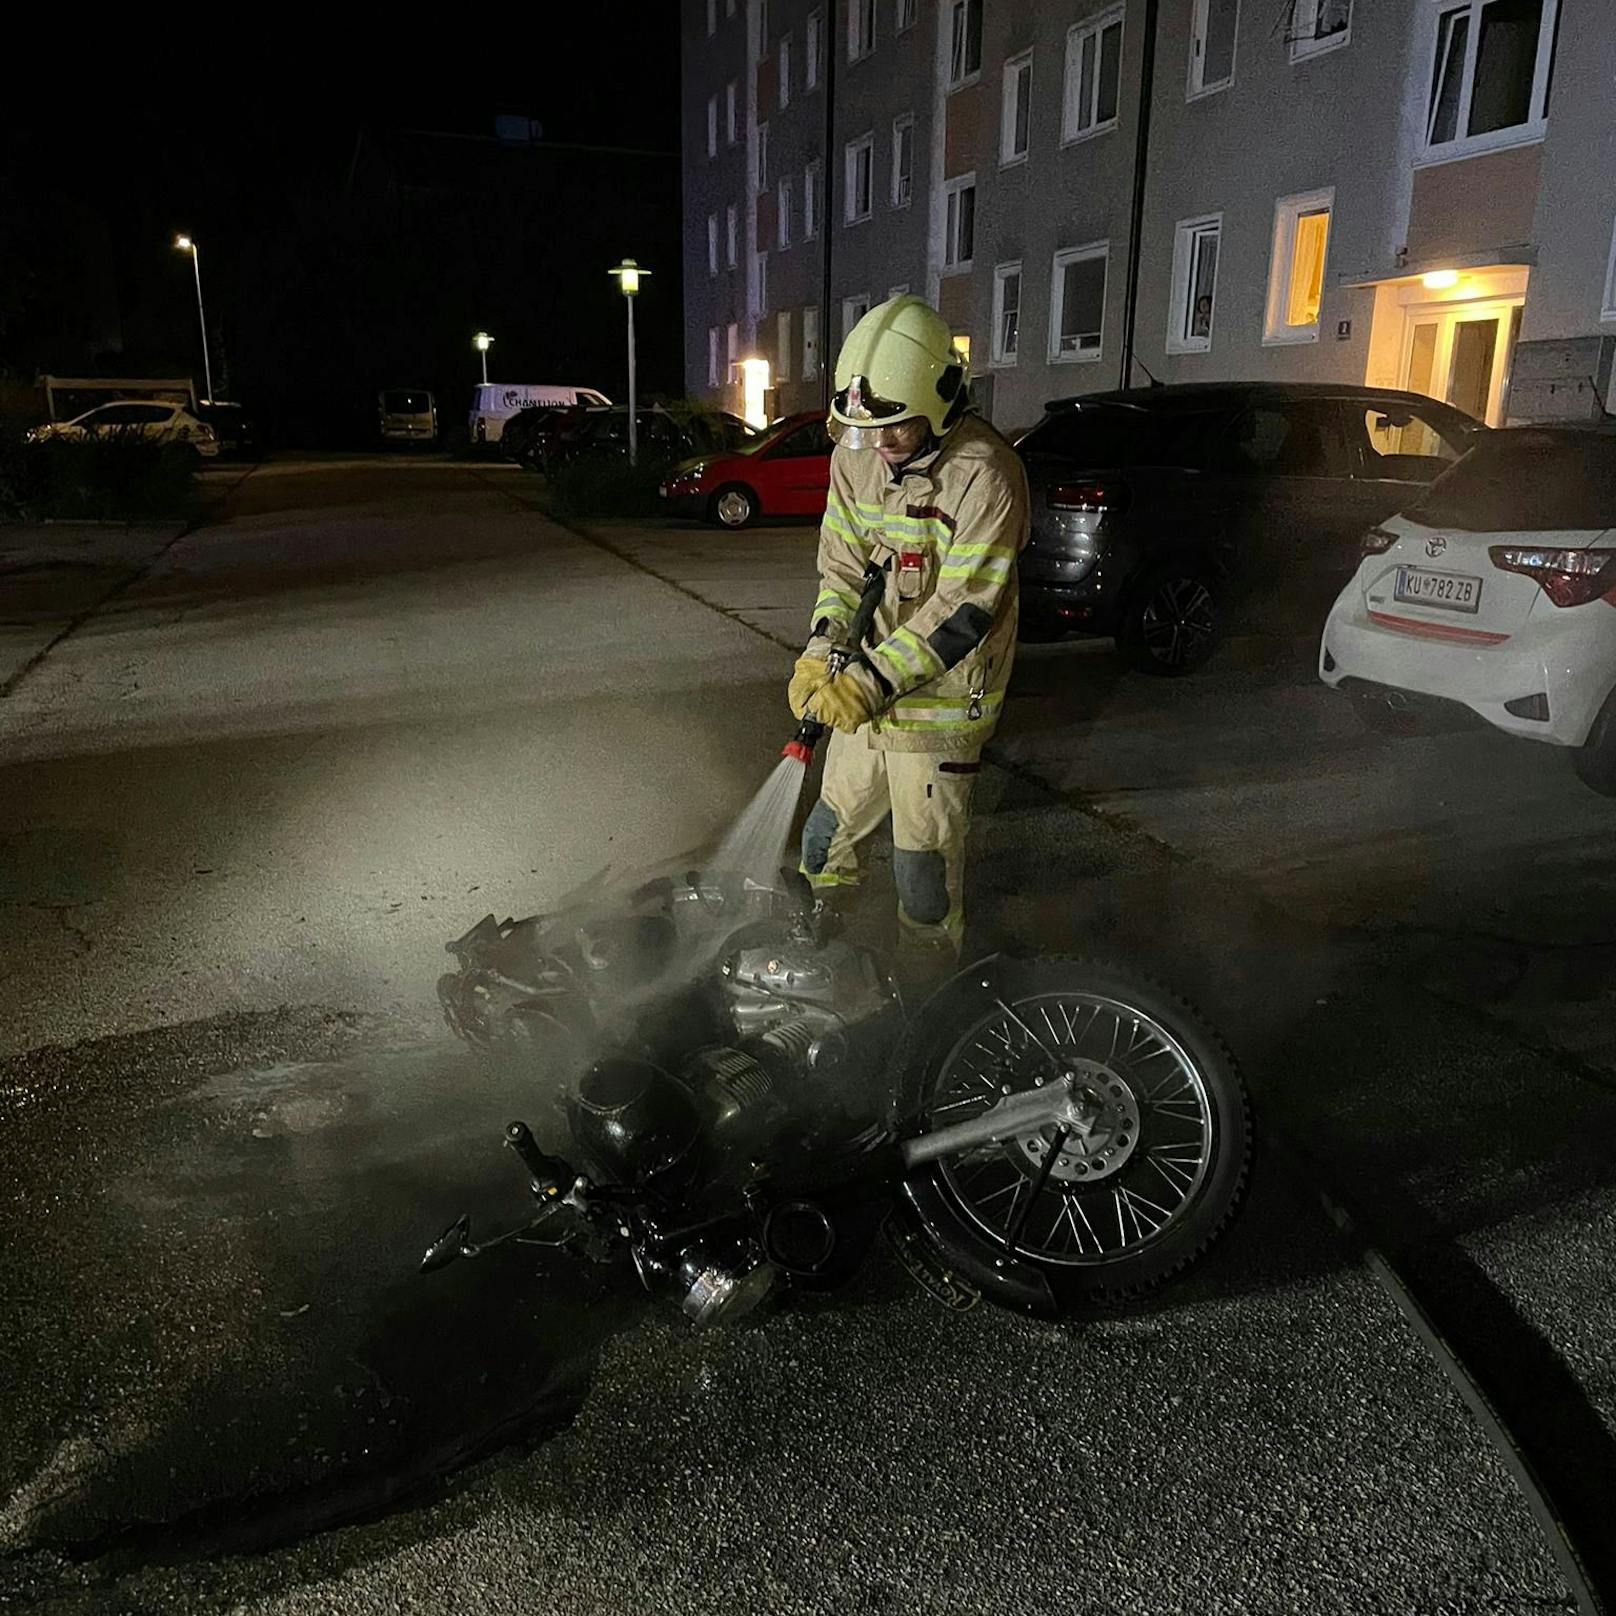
[810, 731]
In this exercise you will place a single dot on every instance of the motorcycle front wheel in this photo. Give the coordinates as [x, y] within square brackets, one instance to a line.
[1063, 1219]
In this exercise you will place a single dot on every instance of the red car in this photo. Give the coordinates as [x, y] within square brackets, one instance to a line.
[785, 472]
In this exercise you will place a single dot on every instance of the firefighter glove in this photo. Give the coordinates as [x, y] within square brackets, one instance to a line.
[850, 700]
[810, 675]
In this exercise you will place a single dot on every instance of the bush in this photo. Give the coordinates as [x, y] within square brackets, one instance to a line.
[120, 477]
[600, 487]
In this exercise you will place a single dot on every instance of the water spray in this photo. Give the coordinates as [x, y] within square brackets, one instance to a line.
[810, 731]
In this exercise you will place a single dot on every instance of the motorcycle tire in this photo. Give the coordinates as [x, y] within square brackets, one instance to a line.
[1115, 1214]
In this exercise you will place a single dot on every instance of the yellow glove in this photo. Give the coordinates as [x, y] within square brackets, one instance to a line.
[810, 674]
[848, 701]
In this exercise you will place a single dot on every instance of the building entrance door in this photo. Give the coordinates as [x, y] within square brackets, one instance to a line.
[1461, 353]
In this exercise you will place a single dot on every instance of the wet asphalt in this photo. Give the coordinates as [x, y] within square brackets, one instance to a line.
[231, 1126]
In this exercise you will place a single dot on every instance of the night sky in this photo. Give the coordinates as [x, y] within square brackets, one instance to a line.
[340, 252]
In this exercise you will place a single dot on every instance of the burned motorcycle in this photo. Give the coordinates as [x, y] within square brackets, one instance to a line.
[747, 1102]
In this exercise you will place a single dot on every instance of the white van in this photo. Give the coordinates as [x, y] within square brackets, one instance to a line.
[494, 403]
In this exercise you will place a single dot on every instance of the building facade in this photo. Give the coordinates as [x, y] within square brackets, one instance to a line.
[1413, 193]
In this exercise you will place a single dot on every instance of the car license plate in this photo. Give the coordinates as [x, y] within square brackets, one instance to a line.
[1453, 591]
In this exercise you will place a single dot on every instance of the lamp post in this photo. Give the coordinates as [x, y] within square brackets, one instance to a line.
[185, 244]
[628, 280]
[482, 342]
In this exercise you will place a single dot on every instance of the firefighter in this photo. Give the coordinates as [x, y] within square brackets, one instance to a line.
[924, 486]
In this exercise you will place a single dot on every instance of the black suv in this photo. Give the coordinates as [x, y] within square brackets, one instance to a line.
[1157, 512]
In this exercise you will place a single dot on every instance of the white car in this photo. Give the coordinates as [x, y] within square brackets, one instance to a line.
[1496, 591]
[150, 418]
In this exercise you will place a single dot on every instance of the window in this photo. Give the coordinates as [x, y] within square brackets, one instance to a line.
[1006, 313]
[785, 71]
[1489, 74]
[1093, 76]
[810, 438]
[860, 29]
[1077, 302]
[959, 226]
[1015, 109]
[1608, 308]
[811, 50]
[908, 14]
[965, 41]
[712, 126]
[783, 204]
[760, 284]
[782, 346]
[1285, 440]
[810, 201]
[732, 347]
[1296, 273]
[712, 243]
[729, 112]
[1195, 280]
[729, 235]
[810, 342]
[853, 310]
[860, 161]
[762, 158]
[903, 160]
[712, 349]
[763, 30]
[1318, 26]
[1401, 444]
[1212, 45]
[712, 18]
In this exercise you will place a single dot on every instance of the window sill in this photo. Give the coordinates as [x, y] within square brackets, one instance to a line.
[1305, 51]
[899, 206]
[1003, 362]
[1012, 162]
[964, 267]
[864, 56]
[1077, 358]
[1207, 90]
[856, 218]
[966, 82]
[1189, 345]
[1291, 337]
[1456, 151]
[1088, 134]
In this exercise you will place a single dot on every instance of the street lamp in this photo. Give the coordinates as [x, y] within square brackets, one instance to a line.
[628, 280]
[482, 342]
[185, 244]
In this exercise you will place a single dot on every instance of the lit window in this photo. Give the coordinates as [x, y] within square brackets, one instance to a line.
[903, 161]
[712, 243]
[908, 14]
[810, 342]
[783, 204]
[712, 356]
[712, 126]
[785, 71]
[860, 164]
[1093, 76]
[810, 201]
[1212, 40]
[729, 235]
[1296, 277]
[1077, 302]
[811, 49]
[1006, 313]
[1318, 26]
[730, 125]
[965, 41]
[762, 158]
[853, 310]
[1195, 280]
[1489, 74]
[782, 346]
[959, 228]
[1015, 109]
[860, 29]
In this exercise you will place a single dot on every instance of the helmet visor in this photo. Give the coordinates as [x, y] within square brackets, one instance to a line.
[878, 435]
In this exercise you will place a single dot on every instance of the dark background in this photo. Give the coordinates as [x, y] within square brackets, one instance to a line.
[351, 239]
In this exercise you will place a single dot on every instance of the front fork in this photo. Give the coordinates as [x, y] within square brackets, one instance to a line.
[1065, 1103]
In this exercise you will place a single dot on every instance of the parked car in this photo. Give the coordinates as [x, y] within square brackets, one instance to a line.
[784, 471]
[1156, 511]
[146, 418]
[494, 403]
[407, 415]
[527, 434]
[1492, 596]
[234, 427]
[664, 438]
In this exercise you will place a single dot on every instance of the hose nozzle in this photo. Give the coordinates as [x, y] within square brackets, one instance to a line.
[801, 745]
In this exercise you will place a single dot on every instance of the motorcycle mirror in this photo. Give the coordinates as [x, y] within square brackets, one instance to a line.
[449, 1245]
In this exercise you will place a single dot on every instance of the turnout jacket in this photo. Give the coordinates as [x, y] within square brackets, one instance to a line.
[952, 525]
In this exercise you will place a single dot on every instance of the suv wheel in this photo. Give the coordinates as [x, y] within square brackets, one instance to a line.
[734, 505]
[1172, 622]
[1595, 759]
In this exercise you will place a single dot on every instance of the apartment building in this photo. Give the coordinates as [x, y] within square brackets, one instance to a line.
[1417, 193]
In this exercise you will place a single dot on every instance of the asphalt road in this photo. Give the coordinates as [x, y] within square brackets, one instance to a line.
[252, 792]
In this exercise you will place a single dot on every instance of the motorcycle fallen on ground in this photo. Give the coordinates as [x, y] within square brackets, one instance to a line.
[746, 1102]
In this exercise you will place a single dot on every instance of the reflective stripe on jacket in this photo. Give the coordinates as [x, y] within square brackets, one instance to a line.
[945, 633]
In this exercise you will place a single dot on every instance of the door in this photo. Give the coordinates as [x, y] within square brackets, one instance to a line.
[799, 471]
[1460, 353]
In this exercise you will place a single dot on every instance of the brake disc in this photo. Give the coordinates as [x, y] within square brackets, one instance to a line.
[1105, 1142]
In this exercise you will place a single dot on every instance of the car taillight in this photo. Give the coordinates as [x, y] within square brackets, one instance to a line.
[1567, 577]
[1089, 495]
[1377, 541]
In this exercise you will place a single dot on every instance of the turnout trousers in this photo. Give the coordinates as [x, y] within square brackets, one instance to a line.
[928, 795]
